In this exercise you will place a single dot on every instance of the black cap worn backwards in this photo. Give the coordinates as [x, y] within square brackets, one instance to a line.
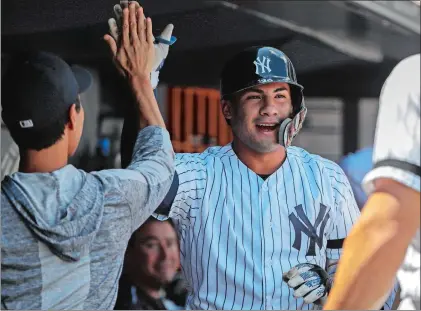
[39, 88]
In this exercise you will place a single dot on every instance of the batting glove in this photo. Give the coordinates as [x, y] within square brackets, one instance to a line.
[309, 281]
[162, 42]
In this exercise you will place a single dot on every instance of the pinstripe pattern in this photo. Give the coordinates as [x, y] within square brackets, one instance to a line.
[236, 237]
[398, 138]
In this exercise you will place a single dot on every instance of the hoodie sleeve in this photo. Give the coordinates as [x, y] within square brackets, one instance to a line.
[144, 184]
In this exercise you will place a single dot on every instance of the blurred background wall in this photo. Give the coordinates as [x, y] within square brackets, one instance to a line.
[342, 52]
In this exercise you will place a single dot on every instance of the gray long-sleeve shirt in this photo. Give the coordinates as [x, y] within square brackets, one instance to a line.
[64, 233]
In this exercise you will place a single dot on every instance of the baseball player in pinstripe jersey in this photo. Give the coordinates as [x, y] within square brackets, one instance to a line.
[261, 223]
[387, 236]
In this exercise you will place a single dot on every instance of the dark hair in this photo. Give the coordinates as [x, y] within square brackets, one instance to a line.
[233, 99]
[132, 240]
[41, 137]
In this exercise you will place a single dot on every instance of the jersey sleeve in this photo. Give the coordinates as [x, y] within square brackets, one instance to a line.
[345, 216]
[145, 182]
[397, 139]
[188, 194]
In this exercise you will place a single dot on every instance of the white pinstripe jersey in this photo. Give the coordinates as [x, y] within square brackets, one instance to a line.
[397, 156]
[240, 233]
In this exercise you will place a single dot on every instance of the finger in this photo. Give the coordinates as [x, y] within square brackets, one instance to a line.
[165, 40]
[136, 4]
[295, 271]
[124, 4]
[307, 287]
[141, 24]
[133, 22]
[302, 267]
[125, 30]
[149, 34]
[315, 295]
[303, 277]
[167, 32]
[112, 44]
[118, 12]
[112, 24]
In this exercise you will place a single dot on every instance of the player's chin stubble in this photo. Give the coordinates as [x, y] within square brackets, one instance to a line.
[241, 131]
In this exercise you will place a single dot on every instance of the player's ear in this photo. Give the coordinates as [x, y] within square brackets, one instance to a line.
[226, 108]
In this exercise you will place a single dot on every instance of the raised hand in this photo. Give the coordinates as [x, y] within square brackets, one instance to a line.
[134, 53]
[161, 43]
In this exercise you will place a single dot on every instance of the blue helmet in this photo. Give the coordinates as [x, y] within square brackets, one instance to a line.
[261, 65]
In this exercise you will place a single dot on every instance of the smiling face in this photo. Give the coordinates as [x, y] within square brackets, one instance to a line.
[154, 256]
[256, 113]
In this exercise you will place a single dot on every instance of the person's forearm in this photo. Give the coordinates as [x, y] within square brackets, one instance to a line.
[373, 252]
[137, 116]
[366, 272]
[146, 104]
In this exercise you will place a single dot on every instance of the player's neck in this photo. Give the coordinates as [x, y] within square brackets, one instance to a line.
[260, 163]
[43, 161]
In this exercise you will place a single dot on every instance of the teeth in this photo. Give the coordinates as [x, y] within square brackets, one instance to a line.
[267, 125]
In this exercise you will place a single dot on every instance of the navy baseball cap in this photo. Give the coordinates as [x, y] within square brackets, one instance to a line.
[38, 88]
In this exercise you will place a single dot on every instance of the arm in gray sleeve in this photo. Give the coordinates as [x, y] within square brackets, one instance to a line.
[147, 180]
[129, 135]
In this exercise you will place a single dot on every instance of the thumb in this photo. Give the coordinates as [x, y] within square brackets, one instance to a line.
[167, 32]
[164, 41]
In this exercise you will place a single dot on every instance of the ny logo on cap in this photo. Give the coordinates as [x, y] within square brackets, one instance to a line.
[26, 123]
[262, 65]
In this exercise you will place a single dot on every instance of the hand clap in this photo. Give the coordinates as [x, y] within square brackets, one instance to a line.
[134, 53]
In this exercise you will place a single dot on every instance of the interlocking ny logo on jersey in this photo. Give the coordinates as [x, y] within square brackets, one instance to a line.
[262, 65]
[303, 225]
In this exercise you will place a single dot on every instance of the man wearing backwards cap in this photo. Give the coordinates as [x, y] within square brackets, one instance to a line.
[65, 231]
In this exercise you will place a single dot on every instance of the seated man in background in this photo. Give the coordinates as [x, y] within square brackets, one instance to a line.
[151, 263]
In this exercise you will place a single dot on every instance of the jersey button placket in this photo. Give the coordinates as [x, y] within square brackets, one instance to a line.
[265, 187]
[266, 229]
